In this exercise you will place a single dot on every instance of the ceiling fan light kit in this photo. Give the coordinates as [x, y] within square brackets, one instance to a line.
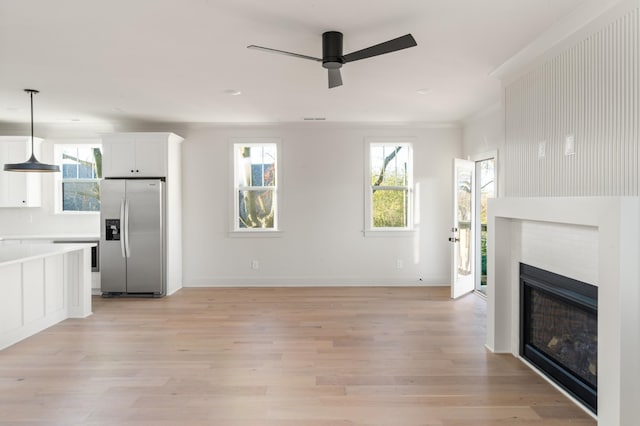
[32, 164]
[333, 59]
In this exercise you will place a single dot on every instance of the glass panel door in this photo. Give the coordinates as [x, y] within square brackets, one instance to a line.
[462, 281]
[485, 188]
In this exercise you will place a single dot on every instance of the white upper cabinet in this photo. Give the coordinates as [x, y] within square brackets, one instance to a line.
[19, 189]
[118, 156]
[136, 154]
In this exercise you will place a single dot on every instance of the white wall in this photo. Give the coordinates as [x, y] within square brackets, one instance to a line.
[565, 249]
[484, 131]
[321, 210]
[321, 205]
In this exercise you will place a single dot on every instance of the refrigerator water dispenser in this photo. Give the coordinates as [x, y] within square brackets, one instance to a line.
[112, 229]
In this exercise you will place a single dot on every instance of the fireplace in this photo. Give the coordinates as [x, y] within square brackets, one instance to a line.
[559, 330]
[591, 239]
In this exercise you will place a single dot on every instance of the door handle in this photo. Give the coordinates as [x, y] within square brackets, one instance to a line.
[122, 234]
[126, 227]
[454, 239]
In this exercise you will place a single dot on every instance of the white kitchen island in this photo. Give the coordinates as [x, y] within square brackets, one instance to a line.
[42, 284]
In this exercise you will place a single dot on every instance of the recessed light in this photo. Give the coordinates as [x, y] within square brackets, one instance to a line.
[424, 91]
[233, 92]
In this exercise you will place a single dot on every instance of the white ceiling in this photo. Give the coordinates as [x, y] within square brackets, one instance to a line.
[173, 60]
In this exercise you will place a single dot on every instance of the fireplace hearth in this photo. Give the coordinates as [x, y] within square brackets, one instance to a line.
[559, 330]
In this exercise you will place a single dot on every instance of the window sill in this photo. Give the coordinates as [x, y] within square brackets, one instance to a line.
[255, 234]
[402, 233]
[74, 213]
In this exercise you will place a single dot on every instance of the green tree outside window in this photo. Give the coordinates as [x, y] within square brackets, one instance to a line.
[390, 178]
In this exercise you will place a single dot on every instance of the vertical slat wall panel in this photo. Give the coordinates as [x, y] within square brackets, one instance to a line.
[635, 101]
[591, 91]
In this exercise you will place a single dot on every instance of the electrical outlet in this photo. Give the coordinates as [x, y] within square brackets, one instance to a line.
[255, 264]
[542, 147]
[399, 264]
[570, 145]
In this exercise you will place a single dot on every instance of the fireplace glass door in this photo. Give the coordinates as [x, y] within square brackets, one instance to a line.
[559, 330]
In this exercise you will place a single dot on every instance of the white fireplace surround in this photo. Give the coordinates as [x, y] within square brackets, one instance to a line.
[592, 239]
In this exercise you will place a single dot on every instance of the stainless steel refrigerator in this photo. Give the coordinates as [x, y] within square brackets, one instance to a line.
[132, 237]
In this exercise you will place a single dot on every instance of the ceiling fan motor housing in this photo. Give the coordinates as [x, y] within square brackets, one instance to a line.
[332, 50]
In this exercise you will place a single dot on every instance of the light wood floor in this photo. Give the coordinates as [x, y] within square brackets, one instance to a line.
[276, 357]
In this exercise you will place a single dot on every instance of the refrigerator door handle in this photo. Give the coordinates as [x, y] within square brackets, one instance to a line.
[126, 228]
[123, 228]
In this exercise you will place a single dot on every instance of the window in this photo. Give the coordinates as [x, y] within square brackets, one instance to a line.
[79, 183]
[255, 193]
[389, 182]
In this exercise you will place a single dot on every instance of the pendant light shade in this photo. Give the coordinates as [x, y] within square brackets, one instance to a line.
[32, 164]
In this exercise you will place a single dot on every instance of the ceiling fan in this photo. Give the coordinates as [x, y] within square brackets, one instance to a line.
[333, 59]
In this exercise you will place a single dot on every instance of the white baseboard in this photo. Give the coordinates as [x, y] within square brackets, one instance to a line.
[312, 282]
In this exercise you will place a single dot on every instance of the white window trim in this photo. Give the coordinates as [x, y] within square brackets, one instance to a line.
[57, 191]
[234, 230]
[369, 230]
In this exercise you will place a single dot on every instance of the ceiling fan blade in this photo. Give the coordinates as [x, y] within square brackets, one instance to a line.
[282, 52]
[335, 79]
[380, 49]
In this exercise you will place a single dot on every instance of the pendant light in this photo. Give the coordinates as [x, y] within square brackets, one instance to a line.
[32, 164]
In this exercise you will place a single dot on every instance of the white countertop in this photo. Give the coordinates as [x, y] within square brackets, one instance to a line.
[16, 253]
[53, 237]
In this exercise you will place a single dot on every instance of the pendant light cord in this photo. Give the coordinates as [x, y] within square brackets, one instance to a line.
[31, 92]
[31, 95]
